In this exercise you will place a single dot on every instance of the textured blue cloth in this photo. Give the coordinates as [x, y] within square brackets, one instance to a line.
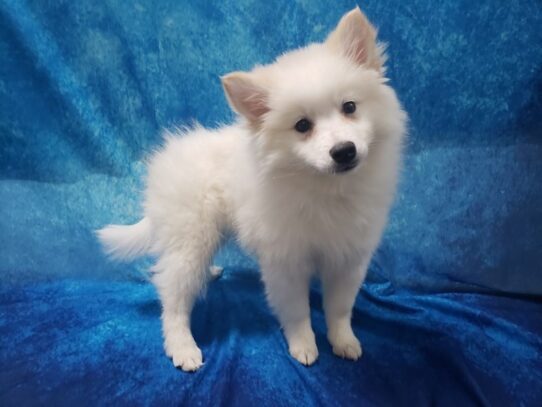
[451, 313]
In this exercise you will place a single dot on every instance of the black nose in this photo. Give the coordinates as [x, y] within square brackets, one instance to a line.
[343, 153]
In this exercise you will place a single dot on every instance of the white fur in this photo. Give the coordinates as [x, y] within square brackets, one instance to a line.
[126, 242]
[277, 190]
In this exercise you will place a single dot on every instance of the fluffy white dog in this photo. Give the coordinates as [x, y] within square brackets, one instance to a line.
[305, 179]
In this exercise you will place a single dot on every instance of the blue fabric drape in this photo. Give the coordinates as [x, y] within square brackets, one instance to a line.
[451, 312]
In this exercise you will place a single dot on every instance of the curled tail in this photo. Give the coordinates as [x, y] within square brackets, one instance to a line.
[126, 242]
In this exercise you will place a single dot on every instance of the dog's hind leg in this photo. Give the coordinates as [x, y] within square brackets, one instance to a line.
[180, 275]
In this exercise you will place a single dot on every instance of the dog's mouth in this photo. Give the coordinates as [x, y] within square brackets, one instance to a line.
[342, 168]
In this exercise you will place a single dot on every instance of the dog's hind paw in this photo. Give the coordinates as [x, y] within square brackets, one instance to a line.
[186, 357]
[216, 271]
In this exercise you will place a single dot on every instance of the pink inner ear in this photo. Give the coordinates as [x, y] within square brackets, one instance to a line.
[246, 98]
[256, 103]
[359, 41]
[357, 38]
[358, 50]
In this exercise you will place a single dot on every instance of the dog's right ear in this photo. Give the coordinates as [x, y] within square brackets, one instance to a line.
[245, 96]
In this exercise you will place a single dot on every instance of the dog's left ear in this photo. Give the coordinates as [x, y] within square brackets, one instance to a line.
[245, 96]
[355, 37]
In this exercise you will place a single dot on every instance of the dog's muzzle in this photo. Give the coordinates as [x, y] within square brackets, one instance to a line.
[345, 156]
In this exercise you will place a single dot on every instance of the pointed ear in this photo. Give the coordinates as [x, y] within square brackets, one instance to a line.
[355, 37]
[245, 96]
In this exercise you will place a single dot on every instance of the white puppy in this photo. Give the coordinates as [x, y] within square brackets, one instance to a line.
[305, 179]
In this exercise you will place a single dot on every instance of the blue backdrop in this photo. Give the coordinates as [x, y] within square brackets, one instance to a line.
[451, 312]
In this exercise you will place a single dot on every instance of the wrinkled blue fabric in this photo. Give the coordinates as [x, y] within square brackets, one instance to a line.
[451, 313]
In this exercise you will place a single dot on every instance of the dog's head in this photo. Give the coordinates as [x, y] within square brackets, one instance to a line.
[320, 107]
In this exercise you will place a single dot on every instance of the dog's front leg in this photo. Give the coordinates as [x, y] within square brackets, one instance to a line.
[287, 287]
[340, 288]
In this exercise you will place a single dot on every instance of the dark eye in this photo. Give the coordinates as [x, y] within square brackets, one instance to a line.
[349, 107]
[303, 126]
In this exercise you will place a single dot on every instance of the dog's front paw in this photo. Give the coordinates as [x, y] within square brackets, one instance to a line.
[346, 345]
[304, 350]
[186, 356]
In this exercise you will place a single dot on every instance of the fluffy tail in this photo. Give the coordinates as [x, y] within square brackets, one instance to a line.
[126, 242]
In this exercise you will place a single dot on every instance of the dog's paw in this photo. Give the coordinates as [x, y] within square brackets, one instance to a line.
[216, 272]
[304, 351]
[346, 346]
[188, 357]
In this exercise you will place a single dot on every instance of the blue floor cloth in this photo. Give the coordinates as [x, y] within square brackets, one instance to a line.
[451, 313]
[100, 343]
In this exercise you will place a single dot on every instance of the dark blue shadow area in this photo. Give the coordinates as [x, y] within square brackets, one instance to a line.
[451, 313]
